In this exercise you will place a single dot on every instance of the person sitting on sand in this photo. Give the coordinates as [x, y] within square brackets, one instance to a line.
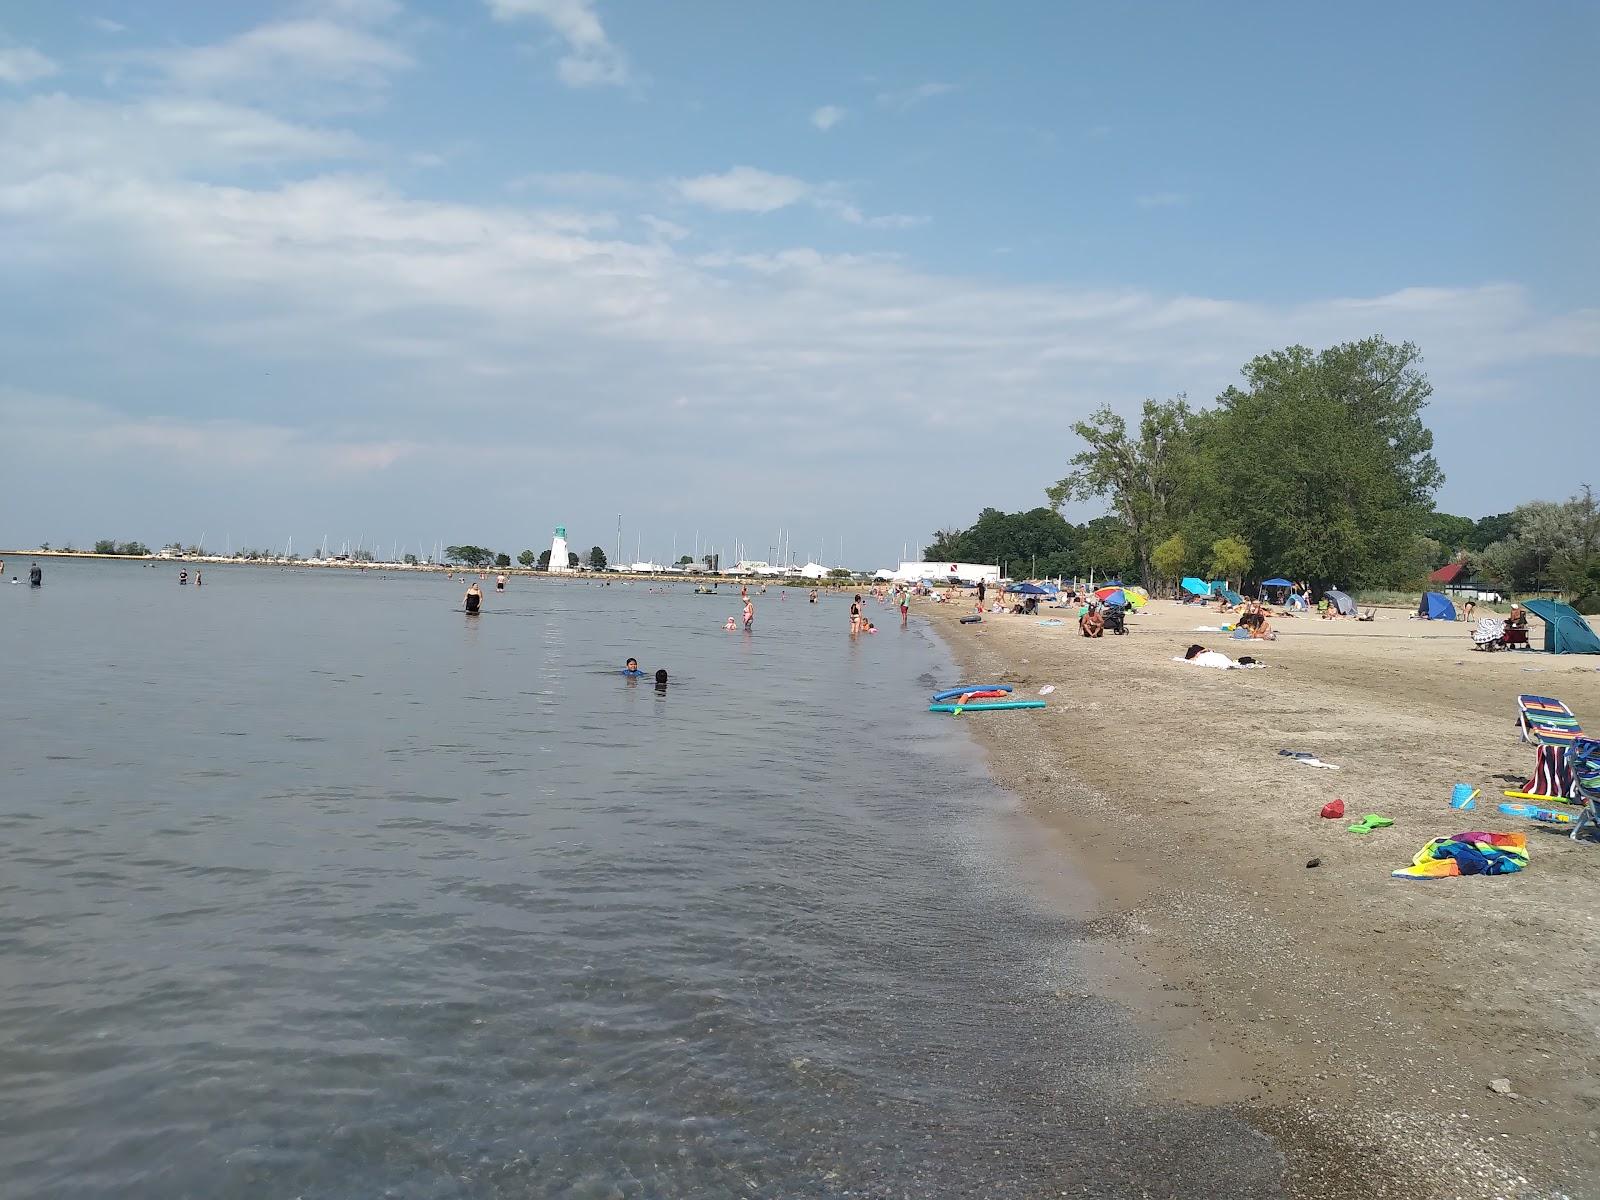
[1092, 624]
[1516, 618]
[1325, 609]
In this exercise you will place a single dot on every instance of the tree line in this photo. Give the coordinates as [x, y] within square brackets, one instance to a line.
[1317, 467]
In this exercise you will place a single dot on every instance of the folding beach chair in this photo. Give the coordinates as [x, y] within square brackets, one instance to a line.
[1584, 760]
[1546, 721]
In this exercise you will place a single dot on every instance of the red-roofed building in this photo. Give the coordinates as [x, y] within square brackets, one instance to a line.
[1456, 580]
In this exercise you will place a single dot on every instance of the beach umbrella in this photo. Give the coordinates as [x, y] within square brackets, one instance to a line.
[1126, 597]
[1027, 589]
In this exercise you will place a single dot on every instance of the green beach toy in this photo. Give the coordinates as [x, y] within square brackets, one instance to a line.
[1370, 822]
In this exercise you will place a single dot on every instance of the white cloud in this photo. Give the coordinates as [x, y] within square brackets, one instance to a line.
[826, 117]
[591, 58]
[1162, 200]
[21, 65]
[315, 48]
[749, 189]
[903, 99]
[107, 25]
[159, 135]
[669, 230]
[745, 189]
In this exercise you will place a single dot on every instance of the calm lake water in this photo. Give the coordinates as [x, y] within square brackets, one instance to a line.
[313, 886]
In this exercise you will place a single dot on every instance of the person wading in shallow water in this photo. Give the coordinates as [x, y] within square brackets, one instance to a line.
[473, 599]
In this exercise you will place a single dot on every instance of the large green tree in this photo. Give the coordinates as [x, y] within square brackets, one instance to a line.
[1139, 472]
[1037, 541]
[1321, 462]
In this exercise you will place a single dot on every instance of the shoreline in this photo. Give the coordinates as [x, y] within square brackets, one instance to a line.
[517, 570]
[1353, 1018]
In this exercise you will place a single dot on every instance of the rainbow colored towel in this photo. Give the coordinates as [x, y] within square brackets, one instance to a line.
[1476, 853]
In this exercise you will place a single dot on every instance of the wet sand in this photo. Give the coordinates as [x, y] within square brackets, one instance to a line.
[1356, 1018]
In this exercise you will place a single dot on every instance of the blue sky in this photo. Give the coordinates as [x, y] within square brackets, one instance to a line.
[464, 271]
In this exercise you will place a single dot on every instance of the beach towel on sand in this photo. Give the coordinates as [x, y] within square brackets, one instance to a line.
[1475, 853]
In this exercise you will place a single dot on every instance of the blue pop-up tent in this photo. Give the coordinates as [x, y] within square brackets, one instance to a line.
[1435, 607]
[1196, 587]
[1565, 632]
[1276, 583]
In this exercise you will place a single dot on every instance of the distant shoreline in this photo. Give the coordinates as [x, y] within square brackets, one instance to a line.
[222, 560]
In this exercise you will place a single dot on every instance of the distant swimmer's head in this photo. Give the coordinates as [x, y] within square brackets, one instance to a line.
[633, 664]
[661, 677]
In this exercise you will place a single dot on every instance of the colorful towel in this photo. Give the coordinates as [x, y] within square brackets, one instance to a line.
[1475, 853]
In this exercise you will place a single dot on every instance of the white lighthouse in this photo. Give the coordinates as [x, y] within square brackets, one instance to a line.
[558, 550]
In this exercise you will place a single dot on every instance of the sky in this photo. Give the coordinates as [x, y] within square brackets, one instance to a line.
[402, 274]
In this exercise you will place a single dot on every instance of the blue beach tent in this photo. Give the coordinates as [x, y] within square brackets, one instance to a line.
[1228, 594]
[1435, 607]
[1565, 632]
[1196, 587]
[1276, 583]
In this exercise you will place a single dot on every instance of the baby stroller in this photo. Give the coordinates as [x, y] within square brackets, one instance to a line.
[1116, 618]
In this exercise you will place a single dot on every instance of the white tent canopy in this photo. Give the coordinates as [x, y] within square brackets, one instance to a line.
[910, 572]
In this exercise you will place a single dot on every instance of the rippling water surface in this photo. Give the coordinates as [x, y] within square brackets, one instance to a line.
[312, 886]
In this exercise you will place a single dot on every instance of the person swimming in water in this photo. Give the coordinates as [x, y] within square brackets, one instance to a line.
[661, 680]
[632, 669]
[473, 599]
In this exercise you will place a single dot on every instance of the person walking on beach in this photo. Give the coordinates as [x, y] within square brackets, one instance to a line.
[905, 605]
[982, 590]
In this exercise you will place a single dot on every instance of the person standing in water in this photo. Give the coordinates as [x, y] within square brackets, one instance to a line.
[500, 583]
[35, 576]
[749, 614]
[905, 605]
[855, 616]
[472, 599]
[183, 575]
[197, 579]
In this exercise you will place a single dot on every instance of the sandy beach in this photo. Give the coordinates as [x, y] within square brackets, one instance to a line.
[1357, 1018]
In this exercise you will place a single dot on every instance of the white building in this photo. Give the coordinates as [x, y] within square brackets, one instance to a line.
[812, 571]
[558, 551]
[942, 572]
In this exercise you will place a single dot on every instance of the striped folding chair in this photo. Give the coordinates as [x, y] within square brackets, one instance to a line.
[1584, 760]
[1546, 721]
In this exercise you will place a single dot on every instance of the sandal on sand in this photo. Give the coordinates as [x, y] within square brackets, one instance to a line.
[1370, 822]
